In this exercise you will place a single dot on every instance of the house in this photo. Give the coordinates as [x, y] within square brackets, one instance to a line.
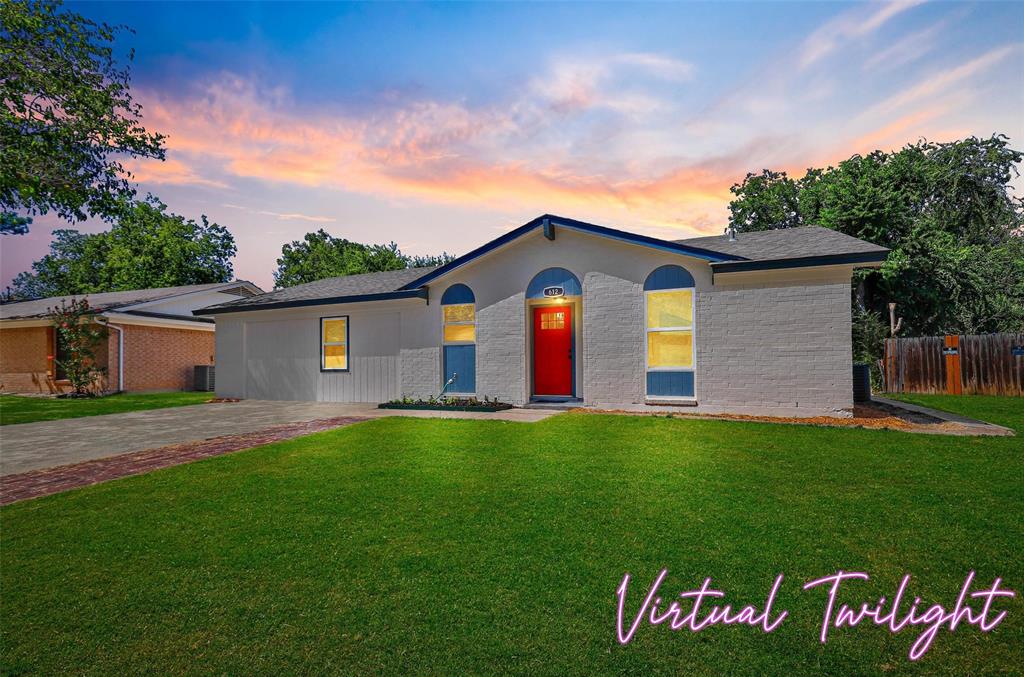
[561, 310]
[153, 343]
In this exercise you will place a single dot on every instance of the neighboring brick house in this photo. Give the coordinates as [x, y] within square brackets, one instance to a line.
[153, 341]
[559, 310]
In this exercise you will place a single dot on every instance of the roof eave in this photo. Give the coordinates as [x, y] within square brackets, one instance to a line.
[421, 293]
[572, 224]
[865, 259]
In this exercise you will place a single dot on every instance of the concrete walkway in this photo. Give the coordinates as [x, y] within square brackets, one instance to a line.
[33, 446]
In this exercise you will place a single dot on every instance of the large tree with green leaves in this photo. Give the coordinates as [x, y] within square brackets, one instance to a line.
[320, 255]
[148, 247]
[68, 119]
[947, 211]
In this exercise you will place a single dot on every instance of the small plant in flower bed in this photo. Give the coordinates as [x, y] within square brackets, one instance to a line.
[454, 403]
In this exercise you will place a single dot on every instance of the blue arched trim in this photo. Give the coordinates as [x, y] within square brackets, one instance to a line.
[668, 277]
[553, 277]
[457, 293]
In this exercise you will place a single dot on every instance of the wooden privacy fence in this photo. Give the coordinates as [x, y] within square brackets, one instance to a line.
[987, 364]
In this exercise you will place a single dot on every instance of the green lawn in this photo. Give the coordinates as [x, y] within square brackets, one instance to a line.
[15, 409]
[445, 547]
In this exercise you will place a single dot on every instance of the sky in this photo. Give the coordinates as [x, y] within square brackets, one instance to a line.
[441, 126]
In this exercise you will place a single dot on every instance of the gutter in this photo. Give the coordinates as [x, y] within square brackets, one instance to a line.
[120, 351]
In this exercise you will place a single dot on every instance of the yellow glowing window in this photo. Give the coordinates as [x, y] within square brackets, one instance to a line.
[552, 320]
[459, 323]
[334, 342]
[459, 333]
[667, 349]
[462, 312]
[669, 309]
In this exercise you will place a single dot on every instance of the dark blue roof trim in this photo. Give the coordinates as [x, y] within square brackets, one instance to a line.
[457, 293]
[668, 277]
[776, 264]
[162, 316]
[554, 277]
[356, 298]
[582, 226]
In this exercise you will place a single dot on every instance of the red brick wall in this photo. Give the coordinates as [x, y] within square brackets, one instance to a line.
[24, 367]
[156, 358]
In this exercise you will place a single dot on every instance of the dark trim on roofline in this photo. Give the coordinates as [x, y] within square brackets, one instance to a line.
[801, 262]
[548, 220]
[162, 316]
[421, 293]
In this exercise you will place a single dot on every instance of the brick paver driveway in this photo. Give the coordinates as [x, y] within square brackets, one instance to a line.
[45, 444]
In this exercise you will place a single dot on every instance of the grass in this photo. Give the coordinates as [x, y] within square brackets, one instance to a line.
[15, 409]
[445, 546]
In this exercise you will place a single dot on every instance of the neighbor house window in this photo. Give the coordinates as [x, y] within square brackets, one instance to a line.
[334, 343]
[458, 308]
[669, 297]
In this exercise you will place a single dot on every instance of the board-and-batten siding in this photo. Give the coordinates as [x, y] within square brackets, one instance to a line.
[282, 360]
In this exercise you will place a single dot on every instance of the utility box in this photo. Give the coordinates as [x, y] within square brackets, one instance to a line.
[861, 383]
[204, 378]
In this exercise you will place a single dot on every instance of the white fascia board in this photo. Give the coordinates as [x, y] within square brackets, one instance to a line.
[167, 323]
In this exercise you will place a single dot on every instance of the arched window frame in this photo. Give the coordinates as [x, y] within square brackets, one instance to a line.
[673, 381]
[458, 338]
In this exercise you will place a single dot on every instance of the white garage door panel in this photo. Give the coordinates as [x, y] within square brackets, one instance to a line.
[282, 360]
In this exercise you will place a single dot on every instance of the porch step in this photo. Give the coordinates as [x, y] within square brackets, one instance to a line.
[554, 406]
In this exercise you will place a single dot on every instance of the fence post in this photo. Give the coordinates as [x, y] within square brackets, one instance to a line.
[954, 381]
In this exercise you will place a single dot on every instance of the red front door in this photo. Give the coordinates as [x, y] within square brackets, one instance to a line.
[552, 350]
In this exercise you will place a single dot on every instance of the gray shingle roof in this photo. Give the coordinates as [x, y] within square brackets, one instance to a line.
[38, 308]
[332, 287]
[799, 245]
[787, 243]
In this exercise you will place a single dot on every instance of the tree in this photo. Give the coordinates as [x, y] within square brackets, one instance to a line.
[765, 201]
[148, 247]
[68, 119]
[320, 255]
[78, 338]
[946, 210]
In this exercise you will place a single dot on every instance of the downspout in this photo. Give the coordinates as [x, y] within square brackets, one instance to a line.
[120, 352]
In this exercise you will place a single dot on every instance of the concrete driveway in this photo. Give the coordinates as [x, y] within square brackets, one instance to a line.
[33, 446]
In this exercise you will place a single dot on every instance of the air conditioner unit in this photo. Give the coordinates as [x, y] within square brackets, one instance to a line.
[204, 377]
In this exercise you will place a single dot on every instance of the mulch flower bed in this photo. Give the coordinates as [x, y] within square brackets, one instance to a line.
[62, 478]
[447, 404]
[871, 415]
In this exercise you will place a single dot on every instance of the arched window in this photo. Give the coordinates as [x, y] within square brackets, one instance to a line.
[669, 306]
[458, 306]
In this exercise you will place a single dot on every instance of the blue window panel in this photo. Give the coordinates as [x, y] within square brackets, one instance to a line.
[457, 293]
[553, 277]
[668, 277]
[461, 361]
[670, 384]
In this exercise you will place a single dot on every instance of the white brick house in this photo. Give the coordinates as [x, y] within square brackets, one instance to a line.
[560, 310]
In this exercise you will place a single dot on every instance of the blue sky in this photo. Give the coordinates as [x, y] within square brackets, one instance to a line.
[439, 126]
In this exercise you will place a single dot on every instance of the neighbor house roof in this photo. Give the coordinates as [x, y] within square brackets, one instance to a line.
[793, 247]
[115, 300]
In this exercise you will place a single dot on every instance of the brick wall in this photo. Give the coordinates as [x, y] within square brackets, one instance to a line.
[613, 334]
[24, 367]
[23, 364]
[500, 353]
[784, 348]
[420, 372]
[158, 358]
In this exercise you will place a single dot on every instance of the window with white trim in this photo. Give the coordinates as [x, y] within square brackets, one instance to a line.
[669, 333]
